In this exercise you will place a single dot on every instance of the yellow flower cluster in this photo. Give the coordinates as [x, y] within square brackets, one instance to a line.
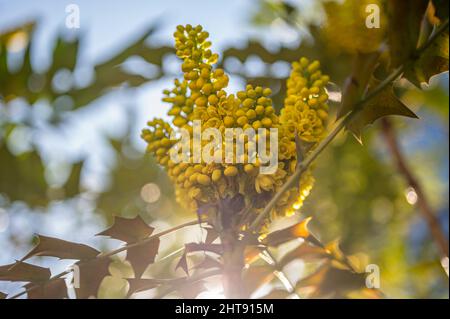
[200, 96]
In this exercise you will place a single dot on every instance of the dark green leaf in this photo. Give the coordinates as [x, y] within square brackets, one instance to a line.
[384, 104]
[405, 18]
[432, 61]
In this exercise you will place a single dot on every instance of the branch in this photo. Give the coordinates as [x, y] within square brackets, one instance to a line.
[303, 166]
[436, 231]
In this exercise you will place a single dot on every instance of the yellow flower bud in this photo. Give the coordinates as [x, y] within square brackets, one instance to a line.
[230, 171]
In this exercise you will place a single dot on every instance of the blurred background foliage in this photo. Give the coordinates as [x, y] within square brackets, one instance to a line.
[62, 176]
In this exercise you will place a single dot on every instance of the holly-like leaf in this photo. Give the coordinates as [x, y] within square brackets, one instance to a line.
[356, 84]
[54, 247]
[91, 275]
[305, 252]
[434, 60]
[53, 289]
[140, 284]
[384, 104]
[299, 230]
[132, 230]
[21, 271]
[143, 255]
[129, 230]
[211, 235]
[329, 281]
[194, 247]
[405, 18]
[182, 263]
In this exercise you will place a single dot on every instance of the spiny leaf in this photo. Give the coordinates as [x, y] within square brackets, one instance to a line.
[91, 275]
[129, 230]
[143, 255]
[54, 247]
[356, 84]
[140, 284]
[305, 252]
[299, 230]
[432, 61]
[384, 104]
[21, 271]
[53, 289]
[182, 263]
[211, 235]
[405, 18]
[329, 281]
[193, 247]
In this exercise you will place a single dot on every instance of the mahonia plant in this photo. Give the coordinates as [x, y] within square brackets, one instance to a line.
[205, 188]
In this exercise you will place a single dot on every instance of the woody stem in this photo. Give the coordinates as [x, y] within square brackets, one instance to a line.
[233, 265]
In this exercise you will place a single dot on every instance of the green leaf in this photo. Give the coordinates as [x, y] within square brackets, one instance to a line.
[54, 247]
[65, 55]
[72, 185]
[21, 271]
[384, 104]
[405, 18]
[22, 177]
[432, 61]
[2, 295]
[356, 84]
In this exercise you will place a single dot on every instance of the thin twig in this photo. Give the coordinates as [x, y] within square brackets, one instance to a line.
[422, 200]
